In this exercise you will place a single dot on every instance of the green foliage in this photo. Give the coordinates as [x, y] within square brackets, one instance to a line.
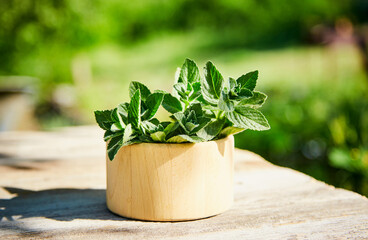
[202, 110]
[43, 38]
[248, 118]
[172, 104]
[323, 135]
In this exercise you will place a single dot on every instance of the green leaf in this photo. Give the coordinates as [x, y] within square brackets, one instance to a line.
[153, 102]
[134, 86]
[201, 123]
[196, 91]
[233, 88]
[158, 136]
[113, 146]
[255, 101]
[248, 80]
[225, 104]
[191, 116]
[230, 130]
[189, 121]
[185, 138]
[128, 133]
[248, 118]
[115, 127]
[189, 72]
[109, 134]
[172, 104]
[155, 121]
[212, 84]
[144, 138]
[210, 108]
[177, 74]
[103, 119]
[232, 84]
[149, 126]
[180, 117]
[164, 124]
[211, 130]
[134, 114]
[197, 108]
[189, 126]
[160, 91]
[171, 128]
[245, 93]
[123, 109]
[209, 113]
[181, 89]
[118, 119]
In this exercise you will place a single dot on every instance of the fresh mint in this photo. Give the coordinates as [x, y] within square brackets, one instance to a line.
[203, 109]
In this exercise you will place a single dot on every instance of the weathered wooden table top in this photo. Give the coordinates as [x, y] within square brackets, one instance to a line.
[52, 185]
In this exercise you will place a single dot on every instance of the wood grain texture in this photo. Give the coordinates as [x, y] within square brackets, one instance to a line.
[53, 187]
[171, 182]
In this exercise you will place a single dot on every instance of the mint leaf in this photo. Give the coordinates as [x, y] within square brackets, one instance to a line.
[189, 127]
[160, 91]
[128, 133]
[187, 82]
[225, 104]
[171, 103]
[181, 89]
[115, 127]
[180, 117]
[245, 93]
[189, 72]
[201, 123]
[189, 122]
[211, 130]
[134, 114]
[196, 91]
[197, 108]
[155, 121]
[202, 110]
[248, 118]
[163, 125]
[212, 84]
[184, 138]
[255, 101]
[191, 116]
[109, 134]
[149, 127]
[103, 119]
[171, 128]
[123, 111]
[134, 86]
[230, 130]
[177, 74]
[113, 146]
[153, 102]
[118, 119]
[123, 108]
[248, 80]
[158, 136]
[232, 84]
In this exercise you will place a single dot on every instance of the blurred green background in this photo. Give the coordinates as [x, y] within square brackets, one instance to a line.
[60, 60]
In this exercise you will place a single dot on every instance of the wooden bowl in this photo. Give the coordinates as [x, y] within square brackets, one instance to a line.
[171, 182]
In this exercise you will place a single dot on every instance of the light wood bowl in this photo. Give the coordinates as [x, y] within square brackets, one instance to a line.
[171, 182]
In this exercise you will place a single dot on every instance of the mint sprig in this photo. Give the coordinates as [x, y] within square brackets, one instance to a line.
[203, 109]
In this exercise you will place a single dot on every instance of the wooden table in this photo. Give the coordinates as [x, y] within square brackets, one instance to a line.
[53, 186]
